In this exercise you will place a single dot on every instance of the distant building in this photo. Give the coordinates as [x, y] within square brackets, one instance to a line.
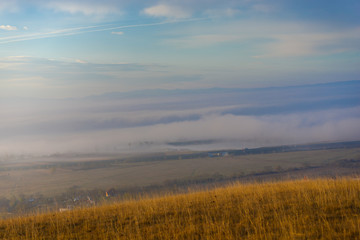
[224, 154]
[218, 154]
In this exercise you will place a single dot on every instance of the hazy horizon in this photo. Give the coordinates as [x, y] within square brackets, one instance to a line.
[123, 76]
[151, 120]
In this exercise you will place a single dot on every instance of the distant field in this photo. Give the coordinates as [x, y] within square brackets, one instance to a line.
[302, 209]
[51, 177]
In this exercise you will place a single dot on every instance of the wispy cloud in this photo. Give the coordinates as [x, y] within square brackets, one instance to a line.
[37, 64]
[218, 13]
[306, 44]
[84, 7]
[166, 11]
[8, 27]
[8, 6]
[81, 61]
[265, 8]
[117, 33]
[68, 77]
[271, 38]
[200, 41]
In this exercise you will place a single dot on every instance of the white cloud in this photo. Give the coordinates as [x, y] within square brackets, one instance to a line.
[25, 28]
[166, 11]
[117, 33]
[8, 27]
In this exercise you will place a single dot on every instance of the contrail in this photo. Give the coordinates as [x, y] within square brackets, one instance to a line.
[34, 35]
[82, 30]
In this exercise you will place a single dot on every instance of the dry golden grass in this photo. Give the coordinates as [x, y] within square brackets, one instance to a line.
[314, 209]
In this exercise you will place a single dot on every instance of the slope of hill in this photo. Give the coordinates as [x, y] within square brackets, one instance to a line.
[303, 209]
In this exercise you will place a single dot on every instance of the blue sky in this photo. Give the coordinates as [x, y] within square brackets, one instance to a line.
[59, 49]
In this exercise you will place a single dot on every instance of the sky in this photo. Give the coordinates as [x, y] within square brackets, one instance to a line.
[59, 57]
[57, 49]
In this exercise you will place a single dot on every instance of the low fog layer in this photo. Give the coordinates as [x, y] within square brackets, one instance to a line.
[151, 119]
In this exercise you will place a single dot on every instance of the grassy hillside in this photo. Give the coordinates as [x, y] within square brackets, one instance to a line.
[305, 209]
